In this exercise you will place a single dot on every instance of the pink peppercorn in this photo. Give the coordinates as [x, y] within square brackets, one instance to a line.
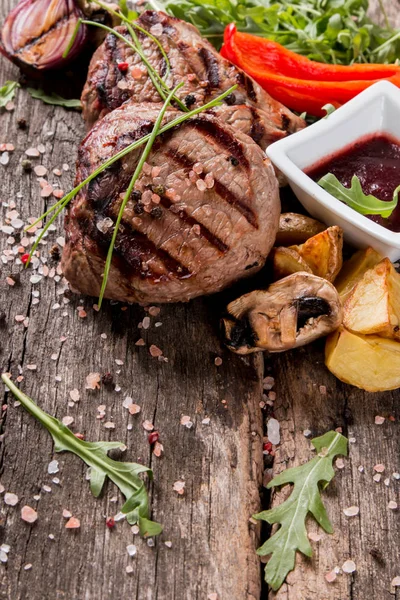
[153, 437]
[110, 522]
[24, 258]
[123, 67]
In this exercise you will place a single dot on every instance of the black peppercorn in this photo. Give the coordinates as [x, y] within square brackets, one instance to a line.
[107, 379]
[190, 100]
[233, 160]
[156, 212]
[230, 99]
[138, 209]
[136, 195]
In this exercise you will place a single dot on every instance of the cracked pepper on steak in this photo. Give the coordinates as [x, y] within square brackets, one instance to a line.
[205, 209]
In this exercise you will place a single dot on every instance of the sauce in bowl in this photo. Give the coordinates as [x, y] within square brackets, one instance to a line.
[376, 162]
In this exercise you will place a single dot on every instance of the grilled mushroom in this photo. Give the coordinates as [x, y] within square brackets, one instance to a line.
[292, 312]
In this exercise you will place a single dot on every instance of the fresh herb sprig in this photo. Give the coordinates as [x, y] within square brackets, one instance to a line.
[332, 31]
[125, 475]
[355, 197]
[54, 99]
[304, 499]
[7, 92]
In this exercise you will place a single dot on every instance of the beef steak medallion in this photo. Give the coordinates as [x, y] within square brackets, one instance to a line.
[204, 211]
[117, 74]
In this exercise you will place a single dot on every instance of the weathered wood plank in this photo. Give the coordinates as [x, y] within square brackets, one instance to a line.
[213, 543]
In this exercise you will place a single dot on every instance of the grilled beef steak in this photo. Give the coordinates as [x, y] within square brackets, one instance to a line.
[117, 73]
[204, 211]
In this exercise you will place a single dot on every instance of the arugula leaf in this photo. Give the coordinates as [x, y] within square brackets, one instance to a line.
[332, 31]
[7, 92]
[291, 514]
[54, 99]
[355, 197]
[125, 475]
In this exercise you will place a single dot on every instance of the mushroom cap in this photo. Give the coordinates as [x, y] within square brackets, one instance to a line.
[292, 312]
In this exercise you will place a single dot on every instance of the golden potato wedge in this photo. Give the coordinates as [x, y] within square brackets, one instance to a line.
[354, 269]
[369, 362]
[286, 261]
[323, 252]
[373, 305]
[296, 229]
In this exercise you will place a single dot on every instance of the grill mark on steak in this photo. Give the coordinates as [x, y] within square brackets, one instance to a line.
[204, 231]
[257, 130]
[133, 248]
[211, 66]
[220, 188]
[246, 82]
[221, 136]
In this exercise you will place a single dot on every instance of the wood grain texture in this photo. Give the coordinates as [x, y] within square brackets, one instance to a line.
[213, 543]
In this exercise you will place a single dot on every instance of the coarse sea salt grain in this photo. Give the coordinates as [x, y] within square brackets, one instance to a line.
[11, 499]
[53, 467]
[392, 505]
[179, 486]
[273, 431]
[351, 511]
[28, 514]
[131, 549]
[349, 566]
[395, 582]
[379, 420]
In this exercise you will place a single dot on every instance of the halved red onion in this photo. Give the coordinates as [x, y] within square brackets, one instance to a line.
[36, 33]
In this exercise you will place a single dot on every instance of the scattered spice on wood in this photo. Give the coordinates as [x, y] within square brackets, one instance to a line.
[179, 487]
[148, 425]
[28, 514]
[73, 523]
[93, 381]
[134, 409]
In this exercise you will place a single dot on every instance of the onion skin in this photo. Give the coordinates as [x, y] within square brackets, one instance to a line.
[36, 33]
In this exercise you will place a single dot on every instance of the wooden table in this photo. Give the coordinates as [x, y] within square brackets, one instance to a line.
[219, 458]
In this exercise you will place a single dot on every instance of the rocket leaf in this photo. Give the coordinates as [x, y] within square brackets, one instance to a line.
[125, 475]
[7, 92]
[355, 197]
[291, 514]
[54, 99]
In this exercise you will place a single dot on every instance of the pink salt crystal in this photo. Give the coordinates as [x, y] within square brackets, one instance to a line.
[158, 449]
[155, 351]
[155, 171]
[154, 311]
[322, 389]
[82, 313]
[40, 170]
[331, 576]
[196, 229]
[19, 318]
[57, 172]
[10, 281]
[93, 381]
[379, 468]
[349, 566]
[212, 596]
[146, 323]
[315, 537]
[146, 168]
[201, 186]
[11, 499]
[351, 511]
[136, 73]
[198, 168]
[10, 147]
[134, 409]
[28, 514]
[395, 582]
[392, 505]
[148, 425]
[67, 420]
[109, 425]
[218, 361]
[66, 514]
[209, 180]
[32, 152]
[74, 395]
[46, 191]
[72, 523]
[379, 420]
[179, 486]
[58, 193]
[377, 477]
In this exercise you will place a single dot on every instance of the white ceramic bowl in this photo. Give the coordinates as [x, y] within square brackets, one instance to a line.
[376, 110]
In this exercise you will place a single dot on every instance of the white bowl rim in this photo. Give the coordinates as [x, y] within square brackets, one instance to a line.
[277, 152]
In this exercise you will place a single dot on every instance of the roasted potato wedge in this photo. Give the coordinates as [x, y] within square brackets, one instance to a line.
[296, 229]
[369, 362]
[354, 269]
[286, 261]
[323, 252]
[373, 306]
